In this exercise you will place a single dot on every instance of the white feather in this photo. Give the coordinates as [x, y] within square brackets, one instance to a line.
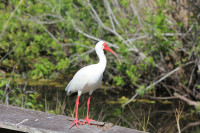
[89, 78]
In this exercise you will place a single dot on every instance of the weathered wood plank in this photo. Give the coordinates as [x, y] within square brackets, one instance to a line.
[32, 121]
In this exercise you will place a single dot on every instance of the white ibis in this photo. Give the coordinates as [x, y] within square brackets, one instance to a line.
[88, 79]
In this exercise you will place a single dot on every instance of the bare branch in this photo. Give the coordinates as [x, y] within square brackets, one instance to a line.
[136, 38]
[191, 124]
[109, 14]
[107, 28]
[114, 18]
[190, 102]
[94, 38]
[70, 44]
[158, 81]
[88, 52]
[146, 36]
[163, 98]
[7, 54]
[137, 15]
[37, 18]
[48, 32]
[8, 83]
[90, 36]
[178, 113]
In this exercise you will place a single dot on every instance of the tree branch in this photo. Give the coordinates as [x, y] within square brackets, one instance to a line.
[161, 79]
[7, 54]
[190, 102]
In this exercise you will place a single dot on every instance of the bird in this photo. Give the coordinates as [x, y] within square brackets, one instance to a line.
[88, 79]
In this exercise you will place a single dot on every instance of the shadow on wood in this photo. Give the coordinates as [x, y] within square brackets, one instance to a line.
[25, 120]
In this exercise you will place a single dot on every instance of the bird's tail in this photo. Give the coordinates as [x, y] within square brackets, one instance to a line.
[67, 88]
[69, 92]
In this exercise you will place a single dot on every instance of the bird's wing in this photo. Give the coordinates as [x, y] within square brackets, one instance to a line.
[84, 80]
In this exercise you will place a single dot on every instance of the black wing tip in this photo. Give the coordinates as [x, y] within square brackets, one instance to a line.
[72, 94]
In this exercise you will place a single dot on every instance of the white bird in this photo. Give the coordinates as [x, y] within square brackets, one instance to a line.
[88, 79]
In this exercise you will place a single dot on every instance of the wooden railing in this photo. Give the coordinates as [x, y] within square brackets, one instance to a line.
[18, 119]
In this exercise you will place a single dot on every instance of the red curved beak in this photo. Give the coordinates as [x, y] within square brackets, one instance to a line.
[111, 51]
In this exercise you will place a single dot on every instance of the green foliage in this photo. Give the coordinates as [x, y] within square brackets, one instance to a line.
[198, 107]
[198, 87]
[132, 73]
[34, 48]
[141, 89]
[119, 80]
[62, 64]
[117, 112]
[43, 68]
[1, 93]
[32, 102]
[150, 61]
[3, 83]
[18, 98]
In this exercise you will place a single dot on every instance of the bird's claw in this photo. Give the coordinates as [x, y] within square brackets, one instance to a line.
[87, 120]
[76, 121]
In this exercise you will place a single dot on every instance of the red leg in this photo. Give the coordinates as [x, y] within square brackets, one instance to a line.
[87, 118]
[76, 121]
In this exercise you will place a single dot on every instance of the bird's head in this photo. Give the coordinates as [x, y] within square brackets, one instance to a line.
[104, 46]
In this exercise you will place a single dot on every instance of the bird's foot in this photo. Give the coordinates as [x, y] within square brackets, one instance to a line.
[87, 120]
[76, 121]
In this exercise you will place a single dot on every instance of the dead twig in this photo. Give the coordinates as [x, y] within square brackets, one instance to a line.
[161, 79]
[164, 98]
[109, 14]
[190, 102]
[8, 53]
[178, 113]
[191, 124]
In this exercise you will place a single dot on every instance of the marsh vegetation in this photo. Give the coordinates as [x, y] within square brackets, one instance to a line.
[156, 88]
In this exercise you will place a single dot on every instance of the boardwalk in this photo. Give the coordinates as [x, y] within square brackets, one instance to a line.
[25, 120]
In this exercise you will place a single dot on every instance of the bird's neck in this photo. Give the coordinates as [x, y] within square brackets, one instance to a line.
[102, 59]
